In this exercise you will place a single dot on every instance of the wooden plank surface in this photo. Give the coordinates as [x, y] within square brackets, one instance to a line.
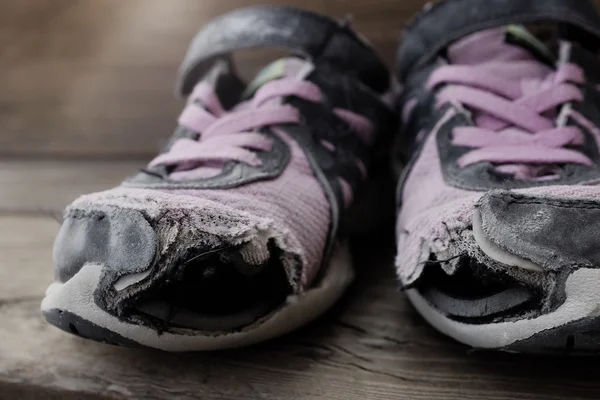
[96, 77]
[92, 79]
[371, 346]
[47, 186]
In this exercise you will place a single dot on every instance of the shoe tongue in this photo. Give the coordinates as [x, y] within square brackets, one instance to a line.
[287, 67]
[511, 51]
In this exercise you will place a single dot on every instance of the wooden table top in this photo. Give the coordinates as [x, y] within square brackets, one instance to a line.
[85, 99]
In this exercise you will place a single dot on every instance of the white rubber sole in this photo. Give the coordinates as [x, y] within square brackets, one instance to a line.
[583, 301]
[76, 297]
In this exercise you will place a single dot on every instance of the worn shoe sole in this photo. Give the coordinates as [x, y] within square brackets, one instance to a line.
[572, 328]
[70, 307]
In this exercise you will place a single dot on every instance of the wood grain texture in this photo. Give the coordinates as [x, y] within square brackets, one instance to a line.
[92, 79]
[96, 78]
[370, 346]
[47, 186]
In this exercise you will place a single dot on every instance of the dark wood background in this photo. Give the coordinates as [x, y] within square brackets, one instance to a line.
[95, 78]
[85, 98]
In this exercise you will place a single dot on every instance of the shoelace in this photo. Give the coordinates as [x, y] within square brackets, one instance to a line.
[231, 135]
[520, 137]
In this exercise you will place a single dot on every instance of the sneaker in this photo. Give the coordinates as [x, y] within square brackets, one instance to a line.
[233, 235]
[498, 243]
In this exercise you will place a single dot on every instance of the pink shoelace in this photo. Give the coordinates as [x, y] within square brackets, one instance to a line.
[231, 135]
[516, 132]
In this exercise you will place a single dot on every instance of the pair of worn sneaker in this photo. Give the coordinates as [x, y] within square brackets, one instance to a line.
[234, 234]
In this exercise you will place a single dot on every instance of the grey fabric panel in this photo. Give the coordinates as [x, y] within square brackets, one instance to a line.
[477, 308]
[551, 233]
[121, 240]
[440, 25]
[299, 31]
[78, 326]
[576, 338]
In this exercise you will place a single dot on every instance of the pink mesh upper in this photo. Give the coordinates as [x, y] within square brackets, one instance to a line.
[291, 210]
[435, 216]
[295, 202]
[430, 210]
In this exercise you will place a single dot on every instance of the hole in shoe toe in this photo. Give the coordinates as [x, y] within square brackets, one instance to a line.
[219, 292]
[474, 293]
